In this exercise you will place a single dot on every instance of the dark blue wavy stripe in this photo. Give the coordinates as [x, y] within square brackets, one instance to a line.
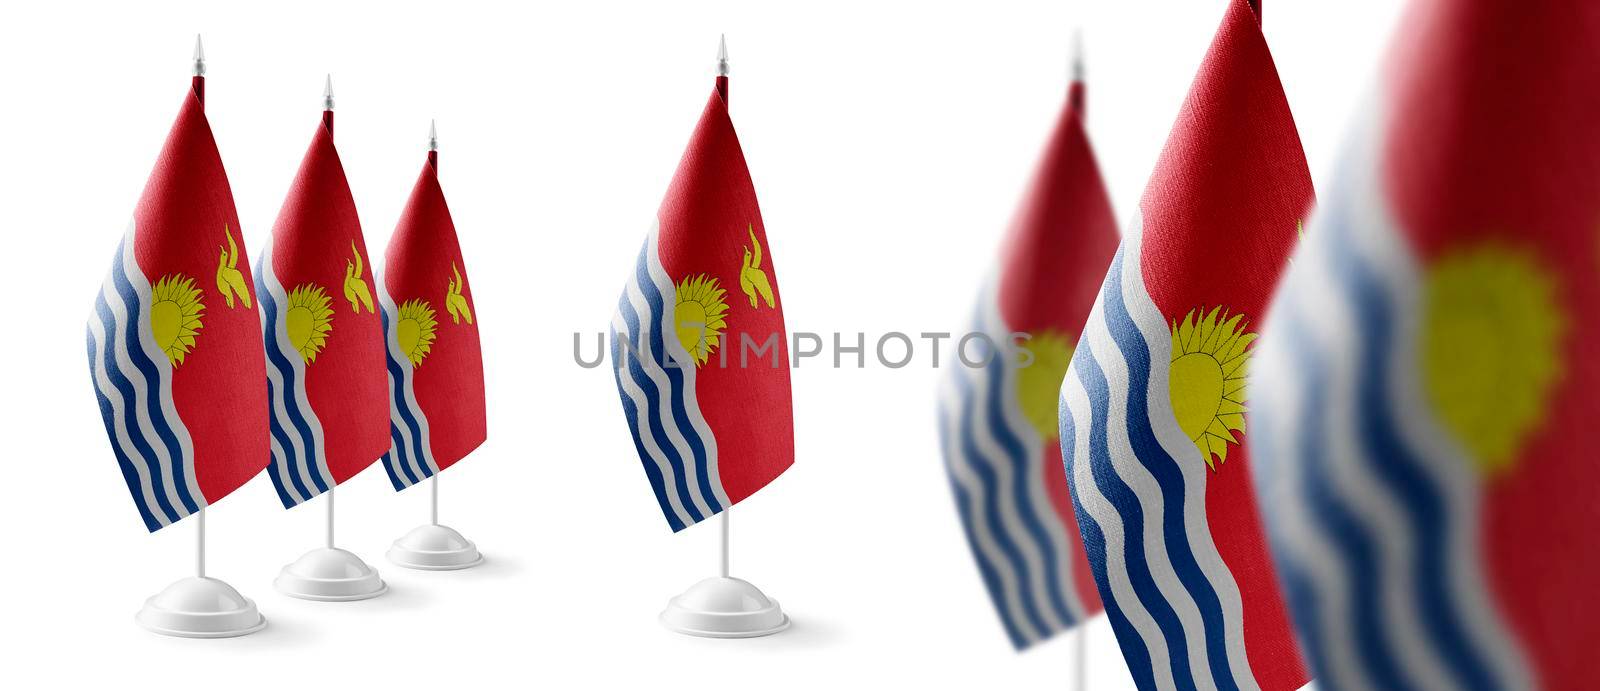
[153, 384]
[1134, 651]
[1127, 506]
[130, 474]
[287, 396]
[130, 410]
[680, 413]
[1357, 549]
[991, 577]
[657, 482]
[274, 471]
[984, 468]
[1022, 483]
[1169, 476]
[418, 457]
[1399, 467]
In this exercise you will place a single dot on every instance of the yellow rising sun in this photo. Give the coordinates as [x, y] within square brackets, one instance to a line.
[1210, 360]
[1039, 384]
[415, 330]
[308, 320]
[700, 316]
[175, 315]
[1491, 337]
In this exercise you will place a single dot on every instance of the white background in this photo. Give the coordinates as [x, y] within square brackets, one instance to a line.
[889, 143]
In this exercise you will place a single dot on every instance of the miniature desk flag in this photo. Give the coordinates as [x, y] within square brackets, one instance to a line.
[998, 422]
[698, 342]
[436, 404]
[174, 336]
[324, 341]
[1152, 409]
[1428, 388]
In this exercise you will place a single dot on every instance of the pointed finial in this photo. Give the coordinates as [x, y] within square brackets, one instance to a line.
[433, 135]
[722, 56]
[327, 94]
[199, 57]
[1077, 54]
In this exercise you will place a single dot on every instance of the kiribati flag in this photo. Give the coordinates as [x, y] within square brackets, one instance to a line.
[1429, 388]
[1152, 410]
[324, 341]
[173, 337]
[998, 421]
[698, 342]
[430, 324]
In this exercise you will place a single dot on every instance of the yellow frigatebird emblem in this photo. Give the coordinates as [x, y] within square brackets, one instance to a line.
[230, 282]
[454, 301]
[752, 279]
[355, 287]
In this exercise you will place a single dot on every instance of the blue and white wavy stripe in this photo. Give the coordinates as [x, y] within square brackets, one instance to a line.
[299, 469]
[656, 382]
[1372, 508]
[410, 456]
[133, 382]
[1139, 486]
[994, 458]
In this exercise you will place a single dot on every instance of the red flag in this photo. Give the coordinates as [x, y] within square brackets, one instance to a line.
[173, 337]
[698, 341]
[431, 332]
[1050, 269]
[324, 341]
[1154, 405]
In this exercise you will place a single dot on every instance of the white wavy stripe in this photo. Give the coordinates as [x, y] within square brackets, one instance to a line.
[1377, 243]
[121, 433]
[147, 340]
[960, 468]
[664, 389]
[280, 340]
[1164, 423]
[641, 421]
[1277, 387]
[425, 466]
[141, 388]
[1126, 464]
[1065, 546]
[1031, 469]
[1104, 515]
[691, 400]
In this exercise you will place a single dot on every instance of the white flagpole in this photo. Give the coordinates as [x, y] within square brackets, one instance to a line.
[433, 506]
[1080, 657]
[330, 516]
[200, 543]
[727, 513]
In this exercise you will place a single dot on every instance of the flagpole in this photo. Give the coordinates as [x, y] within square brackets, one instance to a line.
[327, 121]
[722, 88]
[1080, 657]
[1077, 100]
[199, 83]
[726, 514]
[433, 162]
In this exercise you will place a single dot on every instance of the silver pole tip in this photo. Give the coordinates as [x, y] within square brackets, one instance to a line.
[433, 135]
[1077, 55]
[199, 57]
[327, 93]
[722, 56]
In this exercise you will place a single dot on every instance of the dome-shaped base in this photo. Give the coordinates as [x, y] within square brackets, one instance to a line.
[200, 608]
[724, 608]
[434, 548]
[330, 575]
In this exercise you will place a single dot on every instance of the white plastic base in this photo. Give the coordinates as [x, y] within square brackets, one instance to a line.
[330, 575]
[200, 608]
[434, 548]
[724, 608]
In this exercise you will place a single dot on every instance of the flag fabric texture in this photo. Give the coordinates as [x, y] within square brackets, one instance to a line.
[430, 324]
[698, 343]
[998, 424]
[173, 337]
[1152, 409]
[324, 343]
[1428, 385]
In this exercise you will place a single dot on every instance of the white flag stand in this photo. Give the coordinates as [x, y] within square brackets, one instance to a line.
[330, 574]
[434, 547]
[723, 606]
[200, 607]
